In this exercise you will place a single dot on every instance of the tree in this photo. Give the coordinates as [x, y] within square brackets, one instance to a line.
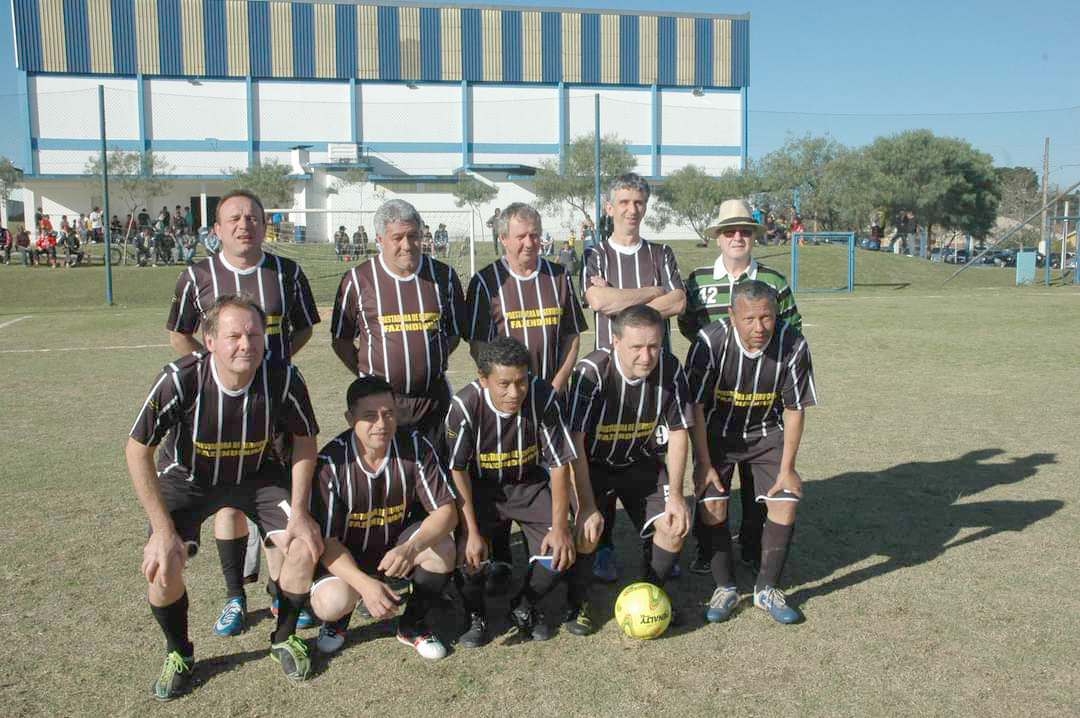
[10, 178]
[943, 181]
[140, 177]
[474, 193]
[843, 196]
[575, 185]
[689, 196]
[799, 165]
[268, 180]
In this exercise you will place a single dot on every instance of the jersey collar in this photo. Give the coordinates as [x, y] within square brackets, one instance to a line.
[519, 277]
[719, 271]
[407, 278]
[624, 250]
[618, 368]
[491, 405]
[249, 270]
[231, 392]
[360, 462]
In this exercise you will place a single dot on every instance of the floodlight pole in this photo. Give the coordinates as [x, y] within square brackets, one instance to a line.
[105, 198]
[596, 168]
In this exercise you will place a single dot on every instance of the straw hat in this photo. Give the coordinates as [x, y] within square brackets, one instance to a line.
[734, 213]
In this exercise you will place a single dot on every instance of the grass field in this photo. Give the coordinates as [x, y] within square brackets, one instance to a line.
[934, 559]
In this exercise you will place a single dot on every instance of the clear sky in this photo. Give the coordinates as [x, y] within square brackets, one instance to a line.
[1003, 76]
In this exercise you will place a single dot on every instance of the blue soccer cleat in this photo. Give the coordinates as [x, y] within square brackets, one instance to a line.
[233, 618]
[772, 600]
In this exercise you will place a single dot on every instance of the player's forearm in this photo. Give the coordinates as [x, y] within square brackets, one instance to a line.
[581, 479]
[140, 464]
[434, 528]
[610, 300]
[562, 376]
[670, 304]
[303, 472]
[339, 562]
[463, 484]
[184, 343]
[699, 437]
[793, 428]
[675, 461]
[560, 497]
[346, 352]
[298, 339]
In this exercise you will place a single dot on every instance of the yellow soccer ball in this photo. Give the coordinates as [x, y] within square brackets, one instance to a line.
[643, 610]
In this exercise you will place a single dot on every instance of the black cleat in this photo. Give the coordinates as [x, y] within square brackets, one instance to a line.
[476, 635]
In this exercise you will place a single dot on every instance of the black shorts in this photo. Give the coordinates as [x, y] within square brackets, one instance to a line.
[264, 498]
[368, 562]
[642, 487]
[528, 504]
[426, 414]
[758, 460]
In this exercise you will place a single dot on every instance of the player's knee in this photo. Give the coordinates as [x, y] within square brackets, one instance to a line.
[584, 546]
[713, 512]
[781, 512]
[439, 558]
[333, 599]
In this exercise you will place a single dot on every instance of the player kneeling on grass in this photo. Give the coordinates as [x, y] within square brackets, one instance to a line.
[629, 413]
[503, 430]
[368, 479]
[221, 409]
[752, 378]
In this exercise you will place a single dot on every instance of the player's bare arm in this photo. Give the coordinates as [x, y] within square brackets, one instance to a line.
[184, 343]
[670, 304]
[380, 601]
[675, 510]
[558, 543]
[605, 299]
[562, 376]
[476, 549]
[298, 339]
[346, 352]
[164, 550]
[590, 522]
[302, 527]
[400, 560]
[787, 479]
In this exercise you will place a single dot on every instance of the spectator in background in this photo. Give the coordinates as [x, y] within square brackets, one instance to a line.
[569, 260]
[74, 249]
[442, 241]
[178, 220]
[22, 242]
[360, 239]
[189, 220]
[64, 224]
[115, 228]
[493, 222]
[44, 224]
[97, 224]
[144, 218]
[144, 242]
[341, 239]
[7, 243]
[797, 227]
[47, 247]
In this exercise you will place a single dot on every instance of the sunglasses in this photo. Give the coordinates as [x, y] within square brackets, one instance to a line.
[738, 230]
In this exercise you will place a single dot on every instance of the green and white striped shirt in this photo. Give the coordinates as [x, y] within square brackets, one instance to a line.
[708, 296]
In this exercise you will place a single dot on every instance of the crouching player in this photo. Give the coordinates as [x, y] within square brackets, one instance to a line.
[629, 403]
[752, 378]
[221, 409]
[509, 451]
[368, 479]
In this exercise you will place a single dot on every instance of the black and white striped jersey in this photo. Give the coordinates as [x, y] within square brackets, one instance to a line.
[745, 393]
[277, 284]
[404, 324]
[365, 507]
[497, 447]
[626, 420]
[215, 435]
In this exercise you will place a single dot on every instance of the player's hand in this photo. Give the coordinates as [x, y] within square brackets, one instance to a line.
[163, 552]
[599, 281]
[303, 528]
[560, 546]
[788, 481]
[704, 476]
[589, 527]
[379, 600]
[476, 551]
[677, 516]
[399, 561]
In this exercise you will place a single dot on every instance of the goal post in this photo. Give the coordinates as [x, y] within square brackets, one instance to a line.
[822, 262]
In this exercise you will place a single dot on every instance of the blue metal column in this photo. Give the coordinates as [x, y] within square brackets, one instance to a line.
[28, 164]
[140, 85]
[851, 262]
[250, 102]
[466, 123]
[793, 275]
[745, 130]
[354, 127]
[564, 125]
[654, 94]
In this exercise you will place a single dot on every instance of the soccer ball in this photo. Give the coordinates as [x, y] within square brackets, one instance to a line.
[643, 610]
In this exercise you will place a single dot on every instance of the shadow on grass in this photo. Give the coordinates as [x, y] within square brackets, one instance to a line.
[209, 668]
[894, 285]
[910, 513]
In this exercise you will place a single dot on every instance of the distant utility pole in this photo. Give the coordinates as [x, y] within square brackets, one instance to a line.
[1045, 224]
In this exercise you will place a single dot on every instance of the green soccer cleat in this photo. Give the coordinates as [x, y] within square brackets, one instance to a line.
[578, 619]
[294, 657]
[175, 676]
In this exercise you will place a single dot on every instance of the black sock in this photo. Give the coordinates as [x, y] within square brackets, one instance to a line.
[721, 562]
[661, 564]
[426, 589]
[500, 543]
[775, 540]
[288, 615]
[538, 584]
[174, 623]
[232, 553]
[607, 510]
[579, 580]
[472, 592]
[703, 536]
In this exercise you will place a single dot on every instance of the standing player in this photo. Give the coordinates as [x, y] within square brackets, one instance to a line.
[397, 316]
[622, 271]
[282, 291]
[708, 300]
[503, 430]
[629, 414]
[530, 299]
[368, 477]
[220, 411]
[752, 378]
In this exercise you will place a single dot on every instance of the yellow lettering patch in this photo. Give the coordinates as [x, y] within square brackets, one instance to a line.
[273, 324]
[746, 399]
[229, 449]
[409, 322]
[632, 430]
[507, 459]
[532, 318]
[377, 517]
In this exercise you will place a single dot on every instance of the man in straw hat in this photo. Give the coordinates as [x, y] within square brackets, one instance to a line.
[708, 299]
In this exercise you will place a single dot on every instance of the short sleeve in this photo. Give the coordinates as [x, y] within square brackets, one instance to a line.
[584, 397]
[573, 319]
[478, 303]
[454, 309]
[296, 415]
[797, 390]
[699, 368]
[303, 313]
[677, 412]
[460, 437]
[184, 314]
[344, 322]
[432, 486]
[161, 410]
[590, 268]
[328, 505]
[670, 280]
[690, 321]
[786, 309]
[555, 444]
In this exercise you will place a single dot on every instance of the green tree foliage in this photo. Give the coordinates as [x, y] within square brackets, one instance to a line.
[799, 164]
[268, 180]
[574, 186]
[843, 197]
[688, 196]
[10, 178]
[474, 193]
[139, 177]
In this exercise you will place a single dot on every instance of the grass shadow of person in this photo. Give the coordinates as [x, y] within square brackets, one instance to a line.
[909, 513]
